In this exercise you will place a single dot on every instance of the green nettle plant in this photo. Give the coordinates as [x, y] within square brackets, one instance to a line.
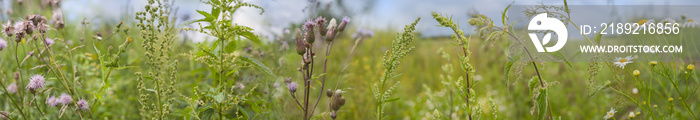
[487, 30]
[224, 63]
[313, 31]
[157, 33]
[400, 47]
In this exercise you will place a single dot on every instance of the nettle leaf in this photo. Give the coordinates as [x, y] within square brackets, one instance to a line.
[257, 64]
[541, 104]
[206, 115]
[560, 56]
[206, 15]
[207, 52]
[600, 34]
[219, 97]
[231, 46]
[250, 36]
[506, 70]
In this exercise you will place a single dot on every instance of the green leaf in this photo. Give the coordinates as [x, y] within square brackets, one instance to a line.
[506, 70]
[566, 7]
[532, 83]
[207, 52]
[219, 97]
[205, 14]
[231, 46]
[206, 115]
[257, 64]
[541, 104]
[559, 55]
[503, 16]
[392, 100]
[250, 36]
[600, 35]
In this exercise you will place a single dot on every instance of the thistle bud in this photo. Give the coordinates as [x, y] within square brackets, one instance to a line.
[331, 34]
[321, 22]
[309, 27]
[341, 26]
[292, 87]
[341, 101]
[16, 75]
[329, 93]
[59, 24]
[288, 80]
[333, 115]
[301, 45]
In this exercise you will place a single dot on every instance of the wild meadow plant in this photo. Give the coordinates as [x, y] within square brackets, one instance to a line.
[400, 47]
[317, 30]
[156, 30]
[224, 62]
[41, 71]
[464, 83]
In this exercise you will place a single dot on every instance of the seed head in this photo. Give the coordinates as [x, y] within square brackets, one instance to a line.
[35, 82]
[635, 91]
[636, 73]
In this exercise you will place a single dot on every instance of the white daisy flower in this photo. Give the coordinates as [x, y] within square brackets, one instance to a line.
[632, 115]
[610, 114]
[650, 21]
[690, 24]
[621, 62]
[668, 20]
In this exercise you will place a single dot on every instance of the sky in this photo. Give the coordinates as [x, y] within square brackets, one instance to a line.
[386, 14]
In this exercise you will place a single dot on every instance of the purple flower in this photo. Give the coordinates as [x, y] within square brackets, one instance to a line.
[3, 44]
[52, 101]
[48, 41]
[8, 29]
[83, 105]
[35, 82]
[65, 99]
[363, 33]
[292, 87]
[12, 88]
[346, 19]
